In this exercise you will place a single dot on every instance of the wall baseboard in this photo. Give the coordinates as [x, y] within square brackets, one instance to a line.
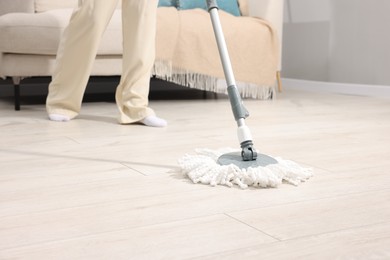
[337, 88]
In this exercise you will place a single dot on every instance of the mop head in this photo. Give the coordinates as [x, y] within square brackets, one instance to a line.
[203, 168]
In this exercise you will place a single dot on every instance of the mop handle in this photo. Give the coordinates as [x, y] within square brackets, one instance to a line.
[238, 108]
[223, 51]
[239, 111]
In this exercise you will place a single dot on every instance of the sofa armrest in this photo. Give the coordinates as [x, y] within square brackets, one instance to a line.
[271, 11]
[16, 6]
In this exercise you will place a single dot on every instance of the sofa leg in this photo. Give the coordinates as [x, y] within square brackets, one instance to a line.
[206, 93]
[16, 81]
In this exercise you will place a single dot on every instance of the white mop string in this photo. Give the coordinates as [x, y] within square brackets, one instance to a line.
[204, 168]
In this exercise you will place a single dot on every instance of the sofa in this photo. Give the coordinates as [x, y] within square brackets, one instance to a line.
[186, 53]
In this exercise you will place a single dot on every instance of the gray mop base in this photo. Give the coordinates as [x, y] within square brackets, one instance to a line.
[236, 159]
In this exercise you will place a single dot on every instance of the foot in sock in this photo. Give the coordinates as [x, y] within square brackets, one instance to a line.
[59, 118]
[154, 121]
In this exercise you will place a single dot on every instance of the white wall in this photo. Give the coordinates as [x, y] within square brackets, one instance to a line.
[306, 39]
[337, 40]
[360, 42]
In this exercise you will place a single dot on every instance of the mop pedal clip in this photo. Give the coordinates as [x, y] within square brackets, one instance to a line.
[248, 153]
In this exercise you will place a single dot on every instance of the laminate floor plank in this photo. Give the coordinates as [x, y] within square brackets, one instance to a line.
[94, 189]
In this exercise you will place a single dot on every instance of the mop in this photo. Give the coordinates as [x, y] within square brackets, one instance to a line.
[230, 167]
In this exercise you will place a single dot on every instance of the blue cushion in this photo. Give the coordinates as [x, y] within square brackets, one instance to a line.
[167, 3]
[230, 6]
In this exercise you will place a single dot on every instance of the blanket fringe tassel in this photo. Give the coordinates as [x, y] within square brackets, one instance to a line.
[165, 71]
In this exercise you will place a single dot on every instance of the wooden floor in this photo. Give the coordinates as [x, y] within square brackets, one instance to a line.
[93, 189]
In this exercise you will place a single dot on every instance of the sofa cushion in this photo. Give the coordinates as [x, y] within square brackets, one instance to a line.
[40, 33]
[230, 6]
[46, 5]
[11, 6]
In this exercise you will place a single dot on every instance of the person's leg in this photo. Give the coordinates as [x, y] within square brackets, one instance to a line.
[75, 57]
[139, 31]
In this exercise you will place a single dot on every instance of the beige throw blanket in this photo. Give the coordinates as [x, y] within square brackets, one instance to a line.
[187, 52]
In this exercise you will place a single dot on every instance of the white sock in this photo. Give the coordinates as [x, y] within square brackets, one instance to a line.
[59, 118]
[154, 121]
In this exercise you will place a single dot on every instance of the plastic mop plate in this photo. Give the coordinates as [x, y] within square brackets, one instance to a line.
[236, 159]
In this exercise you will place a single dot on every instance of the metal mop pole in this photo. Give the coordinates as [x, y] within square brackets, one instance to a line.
[240, 112]
[248, 157]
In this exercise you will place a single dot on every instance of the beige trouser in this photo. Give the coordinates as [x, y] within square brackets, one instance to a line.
[78, 49]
